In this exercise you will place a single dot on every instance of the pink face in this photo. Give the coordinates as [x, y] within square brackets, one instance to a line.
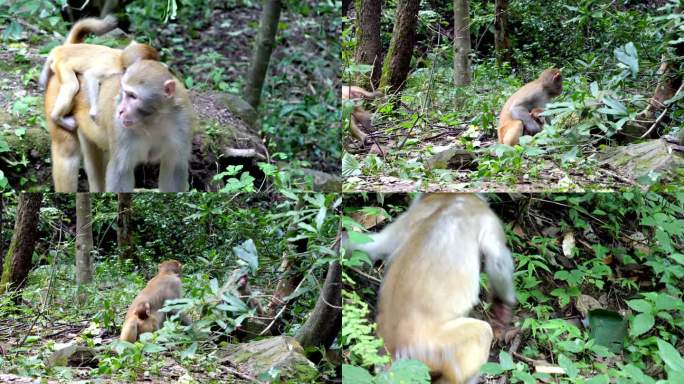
[139, 103]
[129, 106]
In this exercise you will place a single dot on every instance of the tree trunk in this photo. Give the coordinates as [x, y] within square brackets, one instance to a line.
[345, 7]
[268, 26]
[461, 43]
[368, 43]
[17, 263]
[502, 43]
[397, 63]
[324, 323]
[84, 239]
[123, 225]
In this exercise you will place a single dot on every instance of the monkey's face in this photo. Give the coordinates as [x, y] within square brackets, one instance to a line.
[146, 89]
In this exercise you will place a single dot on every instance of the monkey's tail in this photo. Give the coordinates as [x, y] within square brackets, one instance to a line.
[90, 25]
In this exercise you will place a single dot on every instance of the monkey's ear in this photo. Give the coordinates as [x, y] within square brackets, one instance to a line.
[170, 88]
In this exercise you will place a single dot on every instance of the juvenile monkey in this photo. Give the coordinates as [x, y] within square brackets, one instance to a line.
[142, 320]
[515, 117]
[149, 122]
[94, 62]
[360, 119]
[144, 311]
[432, 283]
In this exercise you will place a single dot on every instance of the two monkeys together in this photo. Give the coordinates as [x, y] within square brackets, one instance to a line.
[433, 282]
[132, 110]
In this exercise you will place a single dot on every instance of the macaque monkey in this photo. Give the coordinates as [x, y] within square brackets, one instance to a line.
[94, 63]
[166, 285]
[515, 117]
[360, 118]
[433, 281]
[143, 116]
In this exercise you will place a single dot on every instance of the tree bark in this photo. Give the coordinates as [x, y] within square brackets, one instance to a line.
[123, 225]
[368, 43]
[17, 263]
[461, 43]
[324, 323]
[84, 239]
[502, 42]
[2, 226]
[397, 62]
[268, 27]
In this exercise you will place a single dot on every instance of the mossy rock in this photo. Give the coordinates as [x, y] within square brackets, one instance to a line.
[281, 353]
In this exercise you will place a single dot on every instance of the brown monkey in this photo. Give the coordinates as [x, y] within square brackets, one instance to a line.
[360, 119]
[152, 122]
[94, 63]
[515, 117]
[433, 282]
[166, 285]
[140, 321]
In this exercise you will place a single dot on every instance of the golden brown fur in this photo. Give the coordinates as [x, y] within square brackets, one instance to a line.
[143, 314]
[95, 138]
[433, 282]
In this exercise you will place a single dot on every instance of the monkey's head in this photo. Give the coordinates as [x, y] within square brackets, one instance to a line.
[170, 267]
[135, 51]
[142, 310]
[552, 81]
[148, 90]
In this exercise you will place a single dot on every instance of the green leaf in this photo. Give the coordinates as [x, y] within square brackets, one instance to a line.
[506, 361]
[670, 356]
[355, 375]
[640, 305]
[247, 252]
[641, 324]
[567, 364]
[627, 55]
[350, 166]
[600, 379]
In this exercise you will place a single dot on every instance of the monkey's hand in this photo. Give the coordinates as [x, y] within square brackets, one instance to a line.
[531, 126]
[502, 314]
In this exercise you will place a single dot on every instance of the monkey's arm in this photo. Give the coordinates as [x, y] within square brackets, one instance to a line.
[520, 112]
[498, 261]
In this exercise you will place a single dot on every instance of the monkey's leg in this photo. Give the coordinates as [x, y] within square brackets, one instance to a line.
[94, 162]
[523, 114]
[356, 131]
[510, 133]
[66, 159]
[173, 173]
[67, 91]
[466, 343]
[92, 85]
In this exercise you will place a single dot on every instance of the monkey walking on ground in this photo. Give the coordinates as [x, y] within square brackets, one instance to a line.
[94, 62]
[149, 122]
[143, 314]
[516, 117]
[433, 281]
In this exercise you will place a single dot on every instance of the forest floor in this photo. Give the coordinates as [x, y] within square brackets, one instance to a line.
[408, 168]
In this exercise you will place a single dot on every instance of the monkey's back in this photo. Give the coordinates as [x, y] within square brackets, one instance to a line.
[443, 248]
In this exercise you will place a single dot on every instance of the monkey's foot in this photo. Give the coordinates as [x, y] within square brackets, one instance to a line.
[67, 122]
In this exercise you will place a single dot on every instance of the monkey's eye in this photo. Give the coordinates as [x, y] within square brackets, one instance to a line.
[131, 95]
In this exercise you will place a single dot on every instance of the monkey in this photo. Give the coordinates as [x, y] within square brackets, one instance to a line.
[166, 285]
[360, 119]
[93, 62]
[140, 321]
[433, 279]
[515, 117]
[144, 116]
